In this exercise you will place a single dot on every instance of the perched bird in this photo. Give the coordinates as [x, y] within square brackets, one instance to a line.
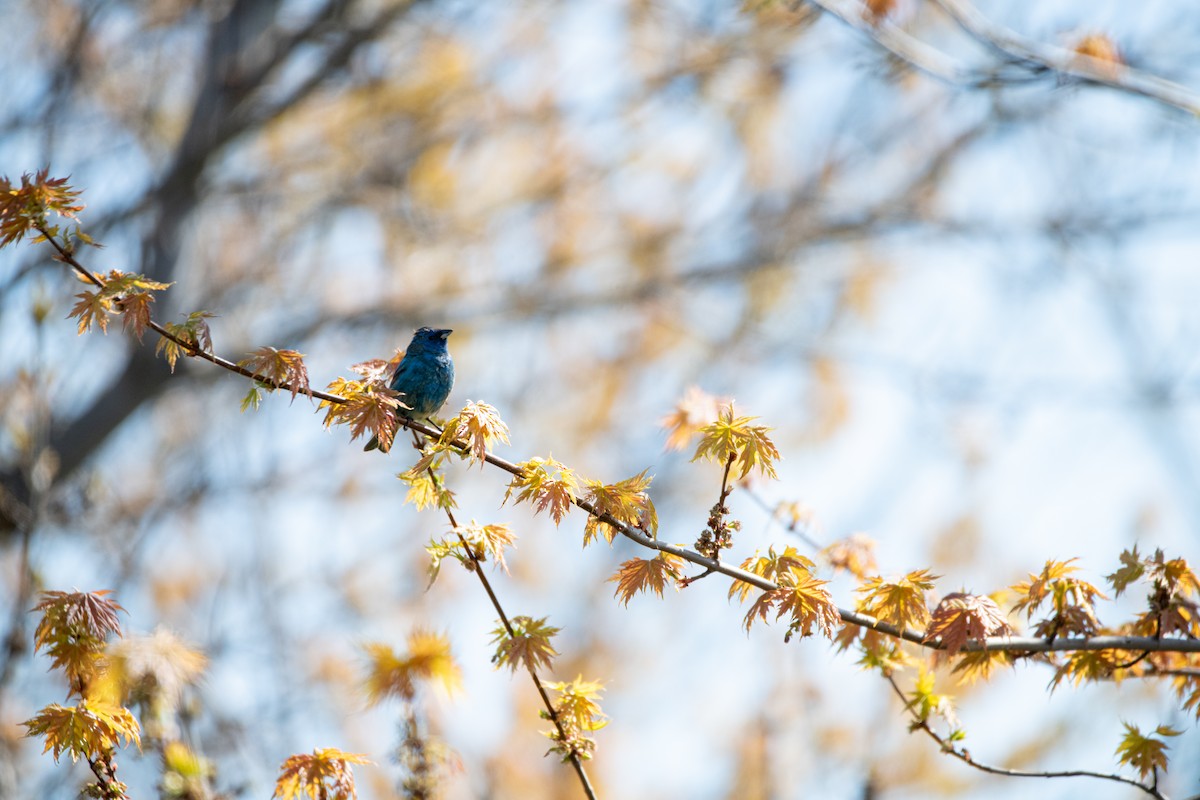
[423, 377]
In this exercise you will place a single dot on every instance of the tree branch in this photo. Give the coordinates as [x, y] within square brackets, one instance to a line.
[964, 756]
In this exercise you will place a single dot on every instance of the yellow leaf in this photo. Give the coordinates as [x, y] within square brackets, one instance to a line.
[86, 730]
[479, 425]
[528, 646]
[734, 441]
[323, 775]
[1145, 753]
[639, 574]
[547, 484]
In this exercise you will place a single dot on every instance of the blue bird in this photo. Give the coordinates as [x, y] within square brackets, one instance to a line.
[423, 377]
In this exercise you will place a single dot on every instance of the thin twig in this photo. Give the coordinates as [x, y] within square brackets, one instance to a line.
[964, 756]
[576, 762]
[1038, 57]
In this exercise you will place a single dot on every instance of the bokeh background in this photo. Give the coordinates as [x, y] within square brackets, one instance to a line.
[968, 311]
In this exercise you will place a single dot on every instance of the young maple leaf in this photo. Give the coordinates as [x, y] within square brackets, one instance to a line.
[135, 308]
[774, 567]
[1145, 753]
[977, 665]
[641, 574]
[73, 628]
[370, 407]
[325, 774]
[1131, 570]
[900, 603]
[87, 730]
[479, 425]
[282, 369]
[1091, 666]
[694, 411]
[528, 646]
[153, 671]
[547, 484]
[428, 659]
[627, 501]
[809, 604]
[25, 208]
[193, 331]
[735, 441]
[924, 703]
[1071, 600]
[488, 540]
[92, 308]
[961, 617]
[578, 704]
[854, 554]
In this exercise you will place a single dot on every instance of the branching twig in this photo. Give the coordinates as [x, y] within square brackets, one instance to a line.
[964, 756]
[477, 564]
[1037, 57]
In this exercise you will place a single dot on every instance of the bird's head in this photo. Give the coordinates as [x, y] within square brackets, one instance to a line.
[430, 339]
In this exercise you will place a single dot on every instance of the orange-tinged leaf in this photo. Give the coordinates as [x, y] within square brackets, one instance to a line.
[325, 774]
[977, 665]
[428, 659]
[627, 501]
[1071, 600]
[642, 574]
[901, 602]
[284, 369]
[734, 438]
[135, 308]
[91, 309]
[962, 617]
[773, 567]
[546, 484]
[1147, 753]
[488, 540]
[194, 331]
[86, 730]
[809, 605]
[24, 208]
[72, 630]
[854, 554]
[528, 646]
[479, 425]
[694, 411]
[370, 407]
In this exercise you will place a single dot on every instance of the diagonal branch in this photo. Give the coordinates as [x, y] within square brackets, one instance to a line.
[1025, 59]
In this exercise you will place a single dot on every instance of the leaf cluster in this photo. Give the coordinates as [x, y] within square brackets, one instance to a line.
[370, 404]
[578, 714]
[325, 774]
[547, 484]
[73, 630]
[1071, 600]
[626, 501]
[800, 596]
[471, 544]
[733, 440]
[27, 207]
[528, 645]
[120, 292]
[641, 574]
[428, 659]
